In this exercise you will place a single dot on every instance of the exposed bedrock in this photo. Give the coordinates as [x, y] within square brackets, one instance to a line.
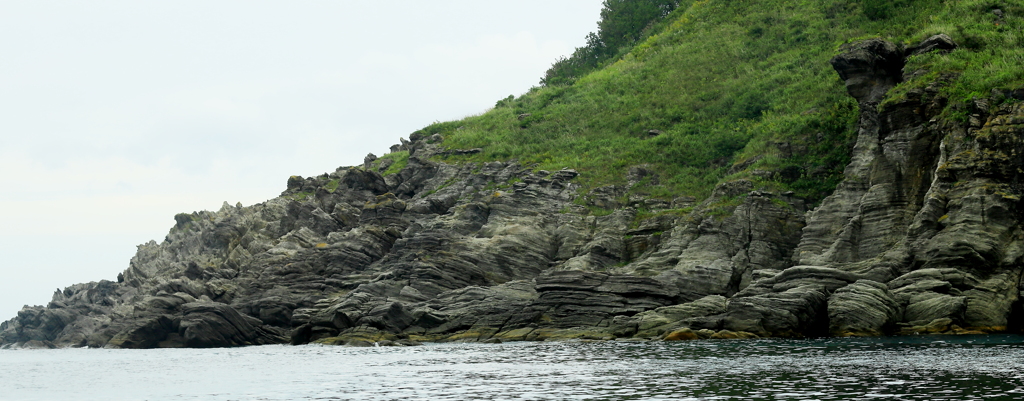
[864, 308]
[922, 236]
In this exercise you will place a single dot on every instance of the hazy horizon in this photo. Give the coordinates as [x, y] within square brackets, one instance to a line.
[117, 115]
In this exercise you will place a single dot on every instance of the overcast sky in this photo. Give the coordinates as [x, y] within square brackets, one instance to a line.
[116, 115]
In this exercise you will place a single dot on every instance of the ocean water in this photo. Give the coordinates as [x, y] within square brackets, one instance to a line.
[896, 368]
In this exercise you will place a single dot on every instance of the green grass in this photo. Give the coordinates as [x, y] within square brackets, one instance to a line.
[299, 196]
[332, 185]
[645, 214]
[726, 82]
[990, 56]
[401, 159]
[724, 207]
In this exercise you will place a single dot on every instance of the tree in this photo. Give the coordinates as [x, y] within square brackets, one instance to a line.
[623, 23]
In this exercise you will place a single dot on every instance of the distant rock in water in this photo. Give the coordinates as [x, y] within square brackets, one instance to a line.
[922, 236]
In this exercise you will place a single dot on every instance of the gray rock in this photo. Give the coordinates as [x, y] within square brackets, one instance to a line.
[928, 306]
[940, 42]
[864, 308]
[922, 236]
[210, 324]
[796, 312]
[869, 68]
[146, 333]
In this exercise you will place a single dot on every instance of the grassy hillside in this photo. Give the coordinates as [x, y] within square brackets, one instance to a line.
[736, 89]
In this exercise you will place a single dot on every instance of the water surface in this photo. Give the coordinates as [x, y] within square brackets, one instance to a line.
[897, 368]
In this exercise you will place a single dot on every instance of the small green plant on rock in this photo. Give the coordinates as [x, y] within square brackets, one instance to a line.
[332, 186]
[401, 159]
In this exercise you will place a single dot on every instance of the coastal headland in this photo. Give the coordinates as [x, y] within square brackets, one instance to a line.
[890, 205]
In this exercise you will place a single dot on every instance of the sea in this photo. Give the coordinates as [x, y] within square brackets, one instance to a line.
[891, 368]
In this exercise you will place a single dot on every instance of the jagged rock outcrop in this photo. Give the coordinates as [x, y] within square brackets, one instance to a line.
[922, 236]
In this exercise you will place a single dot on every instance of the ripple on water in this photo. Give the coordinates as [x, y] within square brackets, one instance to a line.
[903, 368]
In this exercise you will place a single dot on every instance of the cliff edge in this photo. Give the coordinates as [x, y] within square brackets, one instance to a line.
[921, 236]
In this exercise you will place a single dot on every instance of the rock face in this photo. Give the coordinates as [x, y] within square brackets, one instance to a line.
[923, 235]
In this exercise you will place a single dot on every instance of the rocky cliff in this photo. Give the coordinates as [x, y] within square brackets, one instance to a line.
[921, 236]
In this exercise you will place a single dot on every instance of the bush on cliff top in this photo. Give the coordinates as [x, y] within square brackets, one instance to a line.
[735, 90]
[623, 23]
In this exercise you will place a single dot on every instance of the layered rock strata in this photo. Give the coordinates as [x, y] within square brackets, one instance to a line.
[922, 236]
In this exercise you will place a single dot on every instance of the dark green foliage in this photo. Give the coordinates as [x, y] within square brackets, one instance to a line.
[566, 70]
[623, 23]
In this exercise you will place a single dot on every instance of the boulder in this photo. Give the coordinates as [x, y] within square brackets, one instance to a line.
[681, 335]
[795, 312]
[145, 334]
[864, 308]
[939, 42]
[211, 324]
[869, 68]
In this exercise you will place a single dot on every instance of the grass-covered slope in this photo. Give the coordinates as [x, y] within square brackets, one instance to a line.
[737, 89]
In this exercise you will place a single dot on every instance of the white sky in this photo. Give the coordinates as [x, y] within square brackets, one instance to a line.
[116, 115]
